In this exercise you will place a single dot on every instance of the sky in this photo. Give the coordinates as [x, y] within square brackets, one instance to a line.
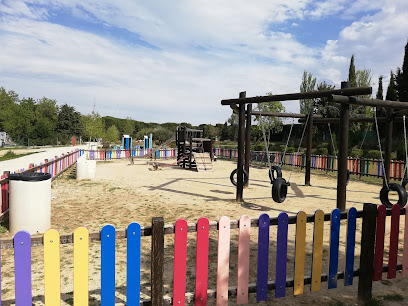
[174, 61]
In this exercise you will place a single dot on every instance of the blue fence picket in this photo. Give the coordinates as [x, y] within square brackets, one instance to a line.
[334, 247]
[108, 265]
[263, 253]
[133, 264]
[351, 242]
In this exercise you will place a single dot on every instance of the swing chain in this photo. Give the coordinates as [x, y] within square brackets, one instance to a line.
[379, 145]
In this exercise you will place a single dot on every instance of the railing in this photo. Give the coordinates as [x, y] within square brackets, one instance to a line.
[356, 166]
[119, 154]
[55, 167]
[371, 258]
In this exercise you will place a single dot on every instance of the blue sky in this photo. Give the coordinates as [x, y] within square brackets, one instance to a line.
[174, 61]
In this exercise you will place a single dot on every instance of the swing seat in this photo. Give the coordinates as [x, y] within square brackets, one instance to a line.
[279, 190]
[234, 173]
[272, 171]
[402, 195]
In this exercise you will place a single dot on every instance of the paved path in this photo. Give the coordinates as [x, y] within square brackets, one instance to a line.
[36, 158]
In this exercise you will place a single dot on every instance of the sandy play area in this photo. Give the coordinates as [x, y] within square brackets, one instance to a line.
[124, 193]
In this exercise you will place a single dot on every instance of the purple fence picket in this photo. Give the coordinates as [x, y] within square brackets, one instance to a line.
[22, 263]
[281, 255]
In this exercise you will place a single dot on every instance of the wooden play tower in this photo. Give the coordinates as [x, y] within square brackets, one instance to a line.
[193, 151]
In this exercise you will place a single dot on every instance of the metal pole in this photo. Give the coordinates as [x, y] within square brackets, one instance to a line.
[248, 141]
[309, 147]
[241, 146]
[342, 155]
[388, 145]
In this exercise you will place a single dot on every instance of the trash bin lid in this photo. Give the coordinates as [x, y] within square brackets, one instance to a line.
[29, 176]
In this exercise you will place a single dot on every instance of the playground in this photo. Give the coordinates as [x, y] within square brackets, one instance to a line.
[123, 193]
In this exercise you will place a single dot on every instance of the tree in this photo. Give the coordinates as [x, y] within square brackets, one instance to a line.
[352, 78]
[93, 125]
[323, 106]
[45, 121]
[403, 79]
[380, 89]
[69, 123]
[129, 126]
[270, 123]
[112, 134]
[391, 90]
[308, 84]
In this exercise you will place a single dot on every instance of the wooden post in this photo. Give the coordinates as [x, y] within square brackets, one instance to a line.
[309, 146]
[342, 154]
[241, 146]
[365, 280]
[157, 261]
[248, 141]
[388, 145]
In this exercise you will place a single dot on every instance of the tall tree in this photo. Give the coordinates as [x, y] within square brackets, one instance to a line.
[391, 90]
[93, 125]
[380, 89]
[308, 84]
[112, 134]
[69, 123]
[129, 126]
[352, 78]
[403, 82]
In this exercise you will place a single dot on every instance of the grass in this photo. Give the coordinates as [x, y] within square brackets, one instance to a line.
[11, 155]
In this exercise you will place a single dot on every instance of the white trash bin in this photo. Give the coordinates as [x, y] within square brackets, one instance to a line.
[85, 169]
[30, 202]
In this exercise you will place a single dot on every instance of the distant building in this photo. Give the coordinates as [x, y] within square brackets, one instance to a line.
[4, 139]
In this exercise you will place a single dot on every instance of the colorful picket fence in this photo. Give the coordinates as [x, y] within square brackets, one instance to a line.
[356, 166]
[55, 167]
[371, 258]
[119, 154]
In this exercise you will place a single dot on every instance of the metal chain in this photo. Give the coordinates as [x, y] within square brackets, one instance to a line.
[287, 142]
[379, 145]
[266, 145]
[331, 136]
[301, 139]
[406, 150]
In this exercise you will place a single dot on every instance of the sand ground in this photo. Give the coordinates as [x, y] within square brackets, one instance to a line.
[122, 193]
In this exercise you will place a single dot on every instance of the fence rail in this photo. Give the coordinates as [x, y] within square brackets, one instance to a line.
[356, 166]
[55, 166]
[120, 153]
[370, 269]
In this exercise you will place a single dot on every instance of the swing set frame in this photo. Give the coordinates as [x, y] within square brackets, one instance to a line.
[344, 96]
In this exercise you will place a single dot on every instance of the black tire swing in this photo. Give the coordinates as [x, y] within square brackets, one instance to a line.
[279, 184]
[234, 173]
[399, 188]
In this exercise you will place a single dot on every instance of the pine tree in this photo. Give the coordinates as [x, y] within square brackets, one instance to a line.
[391, 91]
[403, 81]
[352, 78]
[380, 89]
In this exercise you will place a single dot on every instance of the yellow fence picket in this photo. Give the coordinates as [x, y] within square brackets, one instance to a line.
[52, 274]
[81, 244]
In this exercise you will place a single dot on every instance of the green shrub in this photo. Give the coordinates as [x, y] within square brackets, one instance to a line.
[282, 148]
[374, 154]
[290, 150]
[323, 151]
[357, 153]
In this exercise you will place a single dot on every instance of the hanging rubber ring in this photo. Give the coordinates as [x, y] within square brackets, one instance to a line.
[279, 189]
[233, 174]
[272, 171]
[402, 195]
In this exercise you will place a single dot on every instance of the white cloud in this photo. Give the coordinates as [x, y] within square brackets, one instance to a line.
[205, 53]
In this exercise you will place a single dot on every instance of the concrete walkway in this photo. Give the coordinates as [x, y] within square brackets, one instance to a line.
[36, 158]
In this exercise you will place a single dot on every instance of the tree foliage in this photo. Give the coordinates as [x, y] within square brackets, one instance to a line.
[352, 77]
[379, 95]
[94, 127]
[308, 84]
